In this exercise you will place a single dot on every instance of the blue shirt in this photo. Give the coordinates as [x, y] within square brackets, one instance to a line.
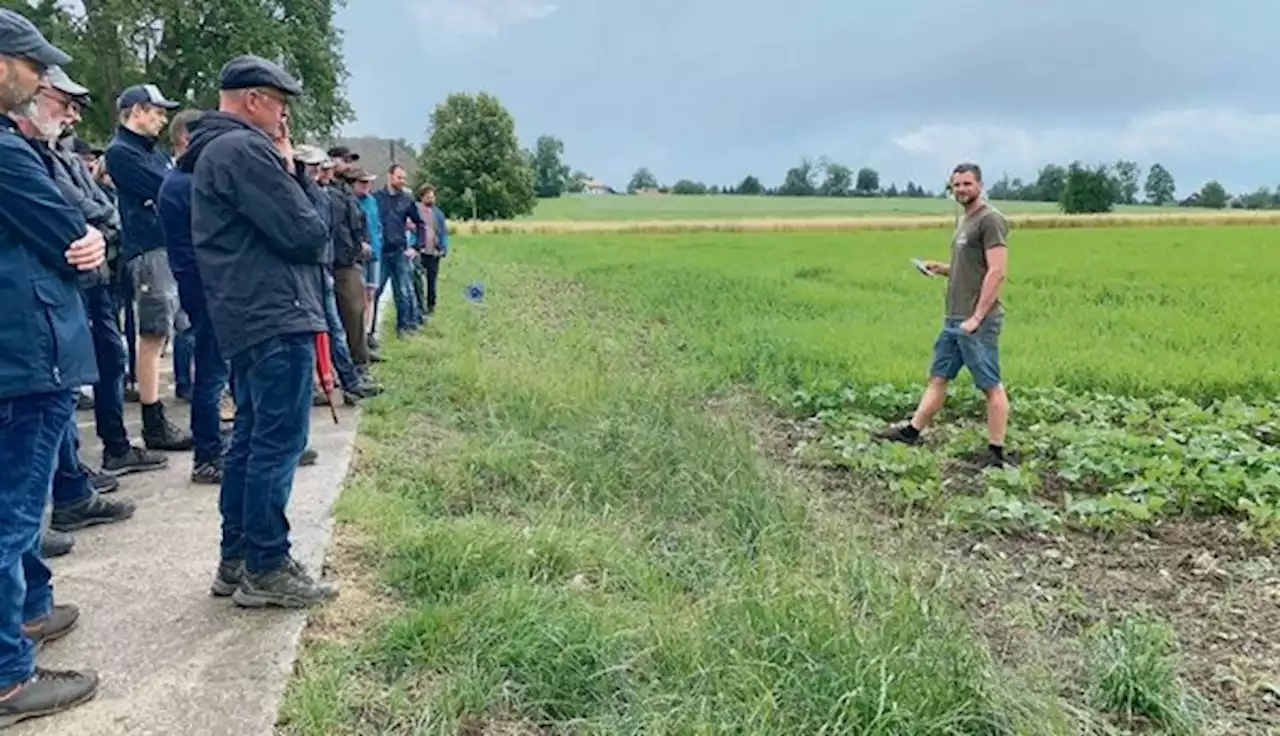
[370, 206]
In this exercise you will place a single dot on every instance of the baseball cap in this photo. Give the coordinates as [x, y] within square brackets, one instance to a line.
[59, 80]
[248, 71]
[344, 153]
[19, 37]
[309, 155]
[144, 94]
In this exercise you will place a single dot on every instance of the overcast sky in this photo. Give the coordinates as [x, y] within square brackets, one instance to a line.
[695, 91]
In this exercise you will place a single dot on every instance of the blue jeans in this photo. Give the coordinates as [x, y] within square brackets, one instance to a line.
[209, 373]
[395, 268]
[272, 384]
[32, 430]
[108, 346]
[183, 355]
[124, 293]
[339, 350]
[979, 352]
[70, 480]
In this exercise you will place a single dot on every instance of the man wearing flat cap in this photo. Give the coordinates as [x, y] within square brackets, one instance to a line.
[260, 242]
[138, 167]
[46, 354]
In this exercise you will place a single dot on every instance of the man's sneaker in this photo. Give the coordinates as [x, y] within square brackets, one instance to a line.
[91, 512]
[207, 474]
[56, 544]
[158, 433]
[58, 623]
[47, 692]
[349, 398]
[228, 577]
[898, 434]
[309, 457]
[102, 482]
[133, 460]
[131, 395]
[84, 402]
[288, 586]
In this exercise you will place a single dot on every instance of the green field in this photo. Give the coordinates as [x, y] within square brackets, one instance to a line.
[720, 207]
[632, 492]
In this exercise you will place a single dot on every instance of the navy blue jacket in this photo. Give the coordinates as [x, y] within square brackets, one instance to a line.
[259, 239]
[394, 208]
[45, 344]
[137, 169]
[175, 220]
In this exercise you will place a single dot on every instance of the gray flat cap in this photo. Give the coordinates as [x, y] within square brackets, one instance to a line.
[247, 71]
[59, 80]
[20, 38]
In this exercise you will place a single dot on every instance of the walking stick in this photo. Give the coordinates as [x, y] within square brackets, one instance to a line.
[324, 369]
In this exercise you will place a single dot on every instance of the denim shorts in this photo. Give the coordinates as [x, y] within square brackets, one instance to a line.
[372, 270]
[979, 352]
[155, 291]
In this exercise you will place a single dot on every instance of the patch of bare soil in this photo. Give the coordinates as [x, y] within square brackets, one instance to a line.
[1033, 597]
[362, 601]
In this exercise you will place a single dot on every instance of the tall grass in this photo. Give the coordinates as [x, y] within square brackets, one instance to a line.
[577, 545]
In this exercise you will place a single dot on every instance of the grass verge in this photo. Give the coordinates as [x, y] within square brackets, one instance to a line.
[572, 543]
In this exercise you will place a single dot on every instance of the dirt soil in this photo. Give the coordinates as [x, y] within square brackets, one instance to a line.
[1032, 597]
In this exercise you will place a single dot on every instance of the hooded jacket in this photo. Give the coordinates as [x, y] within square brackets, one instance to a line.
[259, 239]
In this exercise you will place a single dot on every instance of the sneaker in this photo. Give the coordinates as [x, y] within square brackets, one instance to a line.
[288, 586]
[989, 459]
[58, 623]
[90, 512]
[56, 544]
[47, 692]
[131, 395]
[102, 482]
[134, 460]
[158, 433]
[898, 434]
[309, 457]
[349, 398]
[227, 579]
[207, 474]
[84, 402]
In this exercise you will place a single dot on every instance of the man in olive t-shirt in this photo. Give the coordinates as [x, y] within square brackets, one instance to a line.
[970, 336]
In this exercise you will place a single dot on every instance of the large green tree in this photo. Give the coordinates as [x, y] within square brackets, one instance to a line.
[1089, 190]
[1160, 186]
[550, 173]
[474, 160]
[180, 45]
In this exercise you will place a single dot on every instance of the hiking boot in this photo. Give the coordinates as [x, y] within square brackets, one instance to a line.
[898, 434]
[101, 482]
[56, 624]
[133, 460]
[288, 586]
[227, 579]
[989, 459]
[158, 433]
[91, 512]
[56, 544]
[309, 457]
[84, 402]
[47, 692]
[227, 408]
[207, 474]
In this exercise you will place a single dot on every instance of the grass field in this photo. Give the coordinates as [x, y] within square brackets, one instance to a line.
[633, 493]
[718, 207]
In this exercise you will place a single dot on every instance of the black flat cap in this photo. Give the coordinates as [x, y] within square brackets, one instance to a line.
[82, 148]
[20, 38]
[248, 71]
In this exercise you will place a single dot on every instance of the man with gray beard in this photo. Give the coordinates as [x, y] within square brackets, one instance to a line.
[45, 244]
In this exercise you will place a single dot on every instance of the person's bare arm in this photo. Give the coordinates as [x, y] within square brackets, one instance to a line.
[938, 268]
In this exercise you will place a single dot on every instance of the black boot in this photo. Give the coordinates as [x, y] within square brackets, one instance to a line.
[158, 433]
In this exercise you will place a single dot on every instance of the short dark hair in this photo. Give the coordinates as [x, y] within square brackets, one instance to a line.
[968, 168]
[424, 189]
[393, 168]
[181, 123]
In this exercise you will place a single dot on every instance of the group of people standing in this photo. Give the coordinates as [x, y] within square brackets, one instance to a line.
[251, 247]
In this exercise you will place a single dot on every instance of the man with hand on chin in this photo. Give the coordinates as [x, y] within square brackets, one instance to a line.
[970, 336]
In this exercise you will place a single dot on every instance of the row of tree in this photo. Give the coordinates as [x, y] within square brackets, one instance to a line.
[180, 45]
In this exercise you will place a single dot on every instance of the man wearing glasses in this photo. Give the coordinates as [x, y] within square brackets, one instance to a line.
[260, 243]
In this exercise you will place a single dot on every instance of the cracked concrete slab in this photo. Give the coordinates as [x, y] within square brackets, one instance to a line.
[173, 659]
